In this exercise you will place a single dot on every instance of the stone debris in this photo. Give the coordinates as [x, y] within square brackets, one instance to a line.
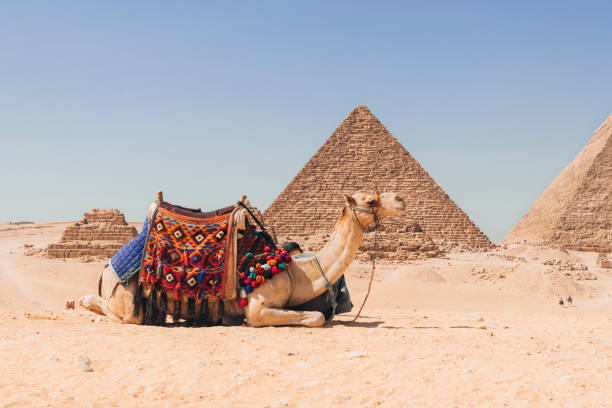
[575, 211]
[52, 357]
[101, 233]
[576, 271]
[357, 354]
[83, 363]
[603, 261]
[361, 155]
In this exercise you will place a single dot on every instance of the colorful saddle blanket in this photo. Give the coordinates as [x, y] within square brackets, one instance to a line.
[186, 255]
[126, 261]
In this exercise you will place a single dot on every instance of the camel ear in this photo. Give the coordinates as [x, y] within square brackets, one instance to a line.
[350, 200]
[377, 197]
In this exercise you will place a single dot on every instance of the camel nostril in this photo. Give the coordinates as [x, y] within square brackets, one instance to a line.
[399, 199]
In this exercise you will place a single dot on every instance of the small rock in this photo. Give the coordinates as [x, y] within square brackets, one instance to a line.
[482, 327]
[490, 334]
[83, 363]
[357, 354]
[284, 401]
[291, 353]
[52, 357]
[235, 375]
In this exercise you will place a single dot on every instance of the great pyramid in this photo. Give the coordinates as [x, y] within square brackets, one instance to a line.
[362, 155]
[575, 211]
[99, 233]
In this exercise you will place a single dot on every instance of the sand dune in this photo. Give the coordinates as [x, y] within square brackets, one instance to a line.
[471, 330]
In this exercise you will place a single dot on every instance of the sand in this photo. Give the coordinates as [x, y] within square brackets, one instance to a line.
[474, 329]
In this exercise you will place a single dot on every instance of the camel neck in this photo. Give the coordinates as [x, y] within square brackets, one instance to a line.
[334, 258]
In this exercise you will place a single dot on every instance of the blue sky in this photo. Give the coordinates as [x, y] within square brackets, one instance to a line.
[104, 103]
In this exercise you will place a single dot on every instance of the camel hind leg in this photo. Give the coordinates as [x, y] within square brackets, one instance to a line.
[273, 316]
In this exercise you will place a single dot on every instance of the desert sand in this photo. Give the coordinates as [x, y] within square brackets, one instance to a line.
[469, 329]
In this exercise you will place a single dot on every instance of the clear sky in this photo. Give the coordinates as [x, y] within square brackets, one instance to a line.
[102, 103]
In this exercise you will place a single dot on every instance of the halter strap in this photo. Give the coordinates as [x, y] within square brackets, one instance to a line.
[364, 209]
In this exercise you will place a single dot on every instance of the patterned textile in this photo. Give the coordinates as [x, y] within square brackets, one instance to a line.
[185, 256]
[126, 261]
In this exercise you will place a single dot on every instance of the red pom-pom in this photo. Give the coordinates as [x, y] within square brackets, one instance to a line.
[268, 258]
[267, 249]
[259, 271]
[247, 281]
[277, 258]
[243, 302]
[275, 270]
[242, 275]
[255, 284]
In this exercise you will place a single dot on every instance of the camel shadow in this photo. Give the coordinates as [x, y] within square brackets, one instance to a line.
[368, 325]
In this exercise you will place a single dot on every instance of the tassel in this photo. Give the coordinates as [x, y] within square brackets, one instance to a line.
[138, 300]
[150, 314]
[221, 310]
[190, 311]
[144, 310]
[203, 312]
[177, 311]
[163, 309]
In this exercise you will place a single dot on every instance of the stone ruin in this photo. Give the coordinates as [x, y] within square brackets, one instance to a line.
[101, 233]
[361, 155]
[603, 261]
[575, 211]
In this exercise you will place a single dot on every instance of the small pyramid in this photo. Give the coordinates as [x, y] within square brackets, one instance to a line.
[361, 155]
[575, 211]
[99, 233]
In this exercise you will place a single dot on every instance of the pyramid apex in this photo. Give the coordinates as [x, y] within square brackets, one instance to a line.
[361, 109]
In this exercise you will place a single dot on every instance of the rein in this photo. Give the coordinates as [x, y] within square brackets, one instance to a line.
[372, 211]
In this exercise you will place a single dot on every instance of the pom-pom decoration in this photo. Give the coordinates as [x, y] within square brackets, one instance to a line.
[261, 267]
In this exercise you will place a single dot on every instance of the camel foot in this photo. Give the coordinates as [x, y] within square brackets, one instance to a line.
[92, 303]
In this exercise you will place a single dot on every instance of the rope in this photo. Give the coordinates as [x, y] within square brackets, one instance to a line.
[330, 291]
[375, 249]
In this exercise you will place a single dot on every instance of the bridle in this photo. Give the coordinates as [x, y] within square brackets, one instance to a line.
[372, 210]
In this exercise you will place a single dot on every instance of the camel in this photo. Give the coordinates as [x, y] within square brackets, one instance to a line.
[267, 305]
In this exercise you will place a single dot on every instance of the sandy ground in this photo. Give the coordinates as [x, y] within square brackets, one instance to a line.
[471, 330]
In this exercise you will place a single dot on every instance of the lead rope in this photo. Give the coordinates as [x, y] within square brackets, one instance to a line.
[375, 249]
[330, 291]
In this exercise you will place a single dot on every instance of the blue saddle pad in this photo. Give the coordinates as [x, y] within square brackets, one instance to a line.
[126, 261]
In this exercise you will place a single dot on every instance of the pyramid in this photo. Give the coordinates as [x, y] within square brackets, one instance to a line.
[361, 155]
[575, 211]
[99, 233]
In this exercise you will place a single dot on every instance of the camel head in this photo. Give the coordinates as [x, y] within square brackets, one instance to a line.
[369, 207]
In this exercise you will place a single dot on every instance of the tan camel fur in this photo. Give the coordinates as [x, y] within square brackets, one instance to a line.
[301, 283]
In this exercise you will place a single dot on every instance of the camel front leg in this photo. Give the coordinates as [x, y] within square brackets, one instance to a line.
[259, 315]
[97, 305]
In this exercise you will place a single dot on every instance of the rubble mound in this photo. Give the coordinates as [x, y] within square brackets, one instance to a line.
[101, 233]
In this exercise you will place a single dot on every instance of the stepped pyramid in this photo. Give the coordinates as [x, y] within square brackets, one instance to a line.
[99, 233]
[362, 155]
[575, 211]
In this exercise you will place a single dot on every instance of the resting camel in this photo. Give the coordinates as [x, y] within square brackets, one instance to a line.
[302, 282]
